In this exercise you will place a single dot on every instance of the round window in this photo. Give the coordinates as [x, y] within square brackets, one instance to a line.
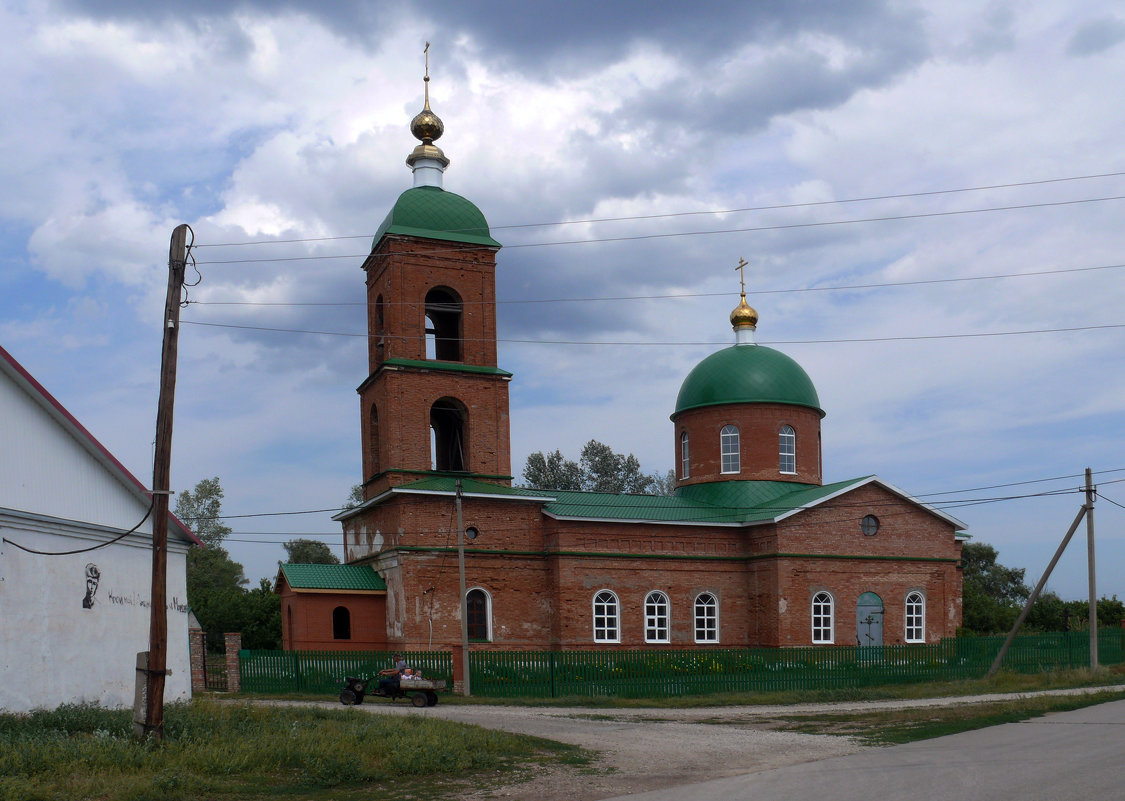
[869, 525]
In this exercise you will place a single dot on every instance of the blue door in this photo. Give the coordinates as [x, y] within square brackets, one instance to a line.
[869, 619]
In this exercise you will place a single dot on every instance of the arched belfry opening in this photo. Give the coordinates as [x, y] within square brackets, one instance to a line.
[449, 421]
[443, 325]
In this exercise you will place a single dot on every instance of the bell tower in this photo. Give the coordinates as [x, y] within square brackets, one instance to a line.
[435, 402]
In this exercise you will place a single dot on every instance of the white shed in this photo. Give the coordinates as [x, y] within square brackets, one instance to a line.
[75, 586]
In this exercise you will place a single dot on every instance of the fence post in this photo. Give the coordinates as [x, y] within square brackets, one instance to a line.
[458, 669]
[197, 649]
[233, 644]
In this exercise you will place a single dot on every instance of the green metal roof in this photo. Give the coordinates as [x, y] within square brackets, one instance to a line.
[332, 577]
[729, 502]
[431, 212]
[747, 374]
[453, 367]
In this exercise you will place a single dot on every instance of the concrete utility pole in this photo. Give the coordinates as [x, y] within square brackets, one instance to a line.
[1092, 572]
[161, 480]
[465, 683]
[1086, 511]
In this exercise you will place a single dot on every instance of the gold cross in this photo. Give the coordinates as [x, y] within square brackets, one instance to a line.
[741, 275]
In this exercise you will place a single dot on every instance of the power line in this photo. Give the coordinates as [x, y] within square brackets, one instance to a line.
[618, 298]
[670, 235]
[669, 215]
[664, 344]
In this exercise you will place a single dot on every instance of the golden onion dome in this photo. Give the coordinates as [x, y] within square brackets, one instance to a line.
[427, 126]
[744, 315]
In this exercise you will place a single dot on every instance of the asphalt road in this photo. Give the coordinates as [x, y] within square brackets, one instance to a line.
[1058, 757]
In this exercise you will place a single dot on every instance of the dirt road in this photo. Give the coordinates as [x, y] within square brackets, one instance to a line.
[649, 749]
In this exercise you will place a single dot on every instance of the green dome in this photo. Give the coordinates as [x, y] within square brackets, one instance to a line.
[747, 374]
[431, 212]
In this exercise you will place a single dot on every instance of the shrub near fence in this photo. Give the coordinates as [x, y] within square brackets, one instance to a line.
[317, 672]
[654, 673]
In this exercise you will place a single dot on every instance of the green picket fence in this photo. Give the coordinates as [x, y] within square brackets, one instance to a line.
[318, 672]
[666, 672]
[655, 673]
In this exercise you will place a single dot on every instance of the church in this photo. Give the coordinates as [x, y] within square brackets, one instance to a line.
[752, 549]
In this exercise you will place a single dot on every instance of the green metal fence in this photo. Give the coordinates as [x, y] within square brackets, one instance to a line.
[663, 672]
[653, 673]
[324, 671]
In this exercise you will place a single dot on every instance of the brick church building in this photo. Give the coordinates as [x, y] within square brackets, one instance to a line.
[752, 549]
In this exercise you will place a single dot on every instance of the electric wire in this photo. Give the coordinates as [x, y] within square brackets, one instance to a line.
[669, 215]
[618, 298]
[666, 344]
[91, 548]
[712, 232]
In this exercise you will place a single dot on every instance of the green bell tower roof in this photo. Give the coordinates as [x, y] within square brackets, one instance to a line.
[432, 212]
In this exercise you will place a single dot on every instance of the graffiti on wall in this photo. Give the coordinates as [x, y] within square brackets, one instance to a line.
[93, 576]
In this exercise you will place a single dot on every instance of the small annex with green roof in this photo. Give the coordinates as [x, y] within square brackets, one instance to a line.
[331, 607]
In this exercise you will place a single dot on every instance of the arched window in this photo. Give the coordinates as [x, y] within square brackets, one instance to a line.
[606, 625]
[443, 325]
[787, 450]
[373, 441]
[656, 617]
[728, 442]
[478, 613]
[685, 456]
[823, 623]
[706, 618]
[915, 617]
[448, 421]
[341, 623]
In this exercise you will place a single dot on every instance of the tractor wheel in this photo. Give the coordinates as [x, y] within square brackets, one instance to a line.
[418, 699]
[431, 698]
[347, 698]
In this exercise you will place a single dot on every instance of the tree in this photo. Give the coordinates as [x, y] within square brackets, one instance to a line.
[355, 497]
[599, 469]
[992, 595]
[215, 582]
[309, 552]
[552, 472]
[201, 509]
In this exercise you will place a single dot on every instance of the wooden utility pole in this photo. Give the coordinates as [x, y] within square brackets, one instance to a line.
[161, 490]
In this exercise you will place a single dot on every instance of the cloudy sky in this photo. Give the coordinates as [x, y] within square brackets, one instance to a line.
[930, 196]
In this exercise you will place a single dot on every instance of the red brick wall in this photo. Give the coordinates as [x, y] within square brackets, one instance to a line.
[306, 621]
[403, 269]
[399, 275]
[542, 574]
[759, 425]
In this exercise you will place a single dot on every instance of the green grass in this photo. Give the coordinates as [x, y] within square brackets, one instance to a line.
[893, 727]
[228, 751]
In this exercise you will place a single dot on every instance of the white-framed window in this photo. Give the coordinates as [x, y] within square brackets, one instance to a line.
[728, 443]
[915, 617]
[787, 450]
[685, 456]
[823, 619]
[656, 617]
[478, 613]
[607, 627]
[706, 618]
